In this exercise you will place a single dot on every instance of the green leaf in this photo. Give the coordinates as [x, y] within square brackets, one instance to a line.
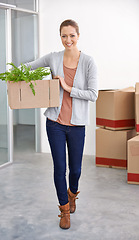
[32, 87]
[24, 73]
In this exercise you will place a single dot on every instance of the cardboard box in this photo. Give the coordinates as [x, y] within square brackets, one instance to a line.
[137, 107]
[115, 109]
[111, 147]
[133, 161]
[20, 95]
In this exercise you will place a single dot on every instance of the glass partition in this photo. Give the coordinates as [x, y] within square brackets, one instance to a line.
[3, 92]
[24, 49]
[18, 44]
[24, 35]
[26, 4]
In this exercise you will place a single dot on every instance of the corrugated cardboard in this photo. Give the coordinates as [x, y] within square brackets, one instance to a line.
[115, 109]
[111, 147]
[133, 161]
[20, 95]
[137, 107]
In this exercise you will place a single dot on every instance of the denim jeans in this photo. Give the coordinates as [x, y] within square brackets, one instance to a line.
[58, 136]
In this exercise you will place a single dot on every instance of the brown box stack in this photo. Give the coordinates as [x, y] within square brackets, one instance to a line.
[137, 107]
[133, 161]
[20, 95]
[133, 146]
[115, 109]
[111, 147]
[115, 114]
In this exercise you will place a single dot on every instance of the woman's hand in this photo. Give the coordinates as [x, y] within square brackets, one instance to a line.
[63, 84]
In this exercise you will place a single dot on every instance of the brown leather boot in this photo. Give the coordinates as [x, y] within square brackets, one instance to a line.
[65, 216]
[72, 197]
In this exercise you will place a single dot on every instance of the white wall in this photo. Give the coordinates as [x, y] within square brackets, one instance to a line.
[109, 31]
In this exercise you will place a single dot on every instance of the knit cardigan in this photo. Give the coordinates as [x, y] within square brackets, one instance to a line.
[84, 85]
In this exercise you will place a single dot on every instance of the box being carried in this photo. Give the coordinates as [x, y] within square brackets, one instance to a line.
[137, 107]
[20, 95]
[133, 161]
[115, 109]
[111, 147]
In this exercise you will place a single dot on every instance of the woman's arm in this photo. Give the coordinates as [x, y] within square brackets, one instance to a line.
[40, 62]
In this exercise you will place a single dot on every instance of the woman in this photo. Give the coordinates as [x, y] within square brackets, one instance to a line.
[66, 124]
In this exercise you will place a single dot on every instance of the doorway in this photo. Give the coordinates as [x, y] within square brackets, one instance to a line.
[19, 45]
[23, 46]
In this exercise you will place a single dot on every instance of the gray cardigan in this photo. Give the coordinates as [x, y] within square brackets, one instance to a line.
[84, 85]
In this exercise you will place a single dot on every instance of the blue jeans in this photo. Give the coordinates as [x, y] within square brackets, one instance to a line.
[58, 136]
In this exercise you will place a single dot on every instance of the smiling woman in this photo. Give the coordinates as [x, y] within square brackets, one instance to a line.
[69, 32]
[69, 36]
[66, 124]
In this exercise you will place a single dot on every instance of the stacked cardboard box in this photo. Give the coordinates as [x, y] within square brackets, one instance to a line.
[115, 109]
[137, 107]
[133, 160]
[133, 146]
[116, 116]
[20, 95]
[111, 147]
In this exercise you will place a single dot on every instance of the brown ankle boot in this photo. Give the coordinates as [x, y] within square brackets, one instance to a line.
[72, 197]
[65, 216]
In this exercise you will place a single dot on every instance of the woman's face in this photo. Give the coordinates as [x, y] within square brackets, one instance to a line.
[69, 37]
